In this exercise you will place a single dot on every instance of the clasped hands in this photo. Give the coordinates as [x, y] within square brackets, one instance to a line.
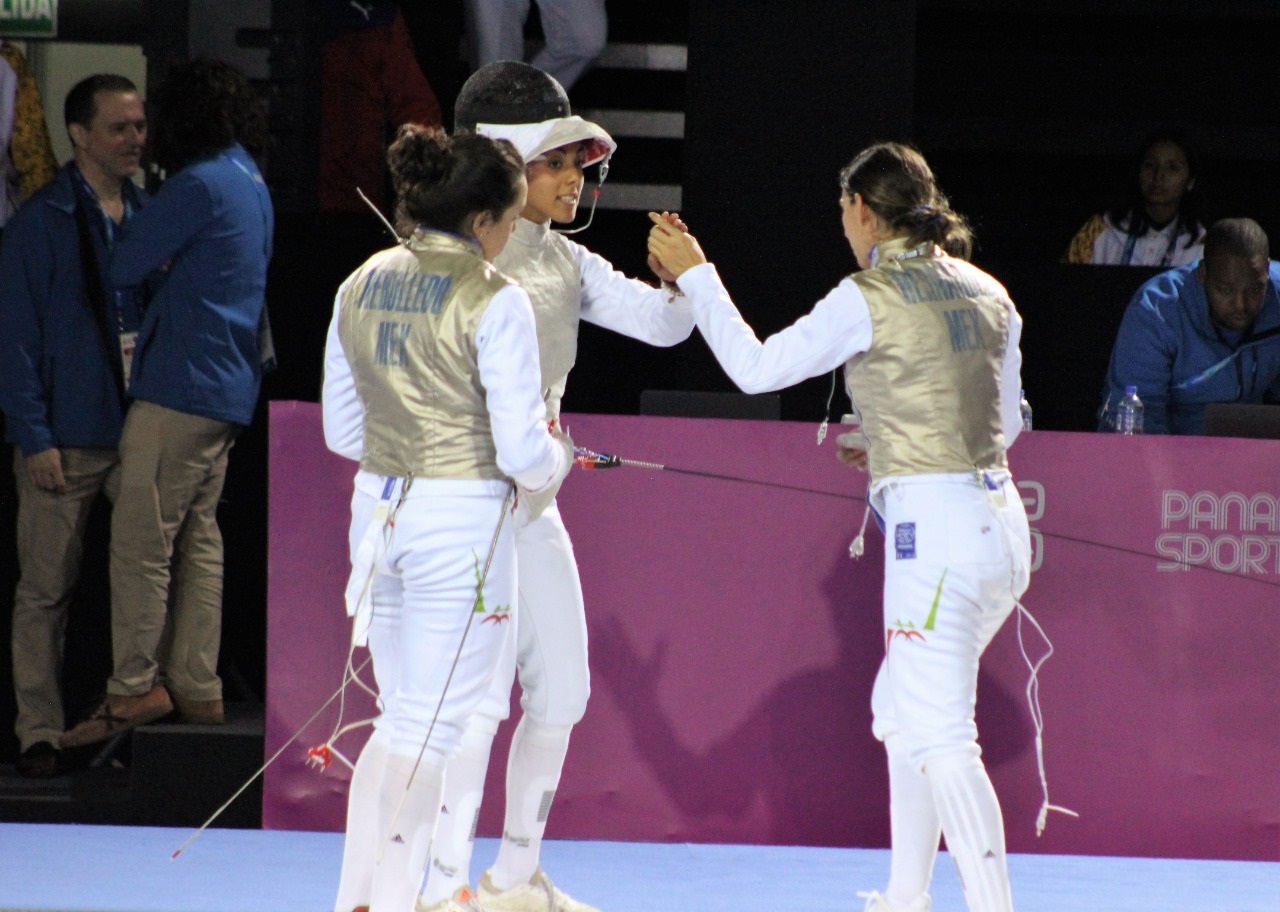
[672, 249]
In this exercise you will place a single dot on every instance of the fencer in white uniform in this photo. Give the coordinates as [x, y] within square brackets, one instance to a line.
[929, 346]
[567, 283]
[432, 382]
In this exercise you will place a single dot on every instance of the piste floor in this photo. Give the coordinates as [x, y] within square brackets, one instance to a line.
[104, 869]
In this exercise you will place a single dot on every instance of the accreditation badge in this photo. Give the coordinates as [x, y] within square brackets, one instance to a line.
[128, 342]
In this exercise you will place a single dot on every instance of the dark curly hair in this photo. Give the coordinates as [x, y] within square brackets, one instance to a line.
[441, 181]
[896, 183]
[202, 107]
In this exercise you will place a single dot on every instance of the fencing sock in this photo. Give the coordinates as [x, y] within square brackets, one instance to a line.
[407, 812]
[973, 827]
[360, 844]
[533, 772]
[914, 832]
[456, 829]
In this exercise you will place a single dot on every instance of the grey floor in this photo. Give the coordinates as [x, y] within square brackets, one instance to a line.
[104, 869]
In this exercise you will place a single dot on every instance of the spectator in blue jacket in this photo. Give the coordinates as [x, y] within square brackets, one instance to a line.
[1204, 332]
[196, 377]
[65, 338]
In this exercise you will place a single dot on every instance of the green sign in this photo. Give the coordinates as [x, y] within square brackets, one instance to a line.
[29, 18]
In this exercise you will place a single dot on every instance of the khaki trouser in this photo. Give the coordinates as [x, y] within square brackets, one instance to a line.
[50, 531]
[166, 553]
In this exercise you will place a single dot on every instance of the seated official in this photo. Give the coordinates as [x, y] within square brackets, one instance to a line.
[1204, 332]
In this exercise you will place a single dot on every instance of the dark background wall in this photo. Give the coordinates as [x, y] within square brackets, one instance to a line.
[1030, 114]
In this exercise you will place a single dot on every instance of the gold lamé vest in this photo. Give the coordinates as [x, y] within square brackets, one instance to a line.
[408, 323]
[928, 390]
[543, 263]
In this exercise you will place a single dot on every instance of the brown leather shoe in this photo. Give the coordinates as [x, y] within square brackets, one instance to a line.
[200, 712]
[119, 714]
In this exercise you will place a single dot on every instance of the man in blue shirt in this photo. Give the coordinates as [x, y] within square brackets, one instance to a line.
[205, 240]
[1201, 333]
[66, 338]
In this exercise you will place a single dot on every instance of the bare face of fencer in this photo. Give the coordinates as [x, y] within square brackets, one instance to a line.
[860, 227]
[555, 184]
[1235, 287]
[494, 234]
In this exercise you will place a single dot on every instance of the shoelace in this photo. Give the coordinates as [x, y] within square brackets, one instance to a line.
[104, 714]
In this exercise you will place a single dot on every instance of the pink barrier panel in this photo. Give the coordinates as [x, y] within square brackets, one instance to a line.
[734, 642]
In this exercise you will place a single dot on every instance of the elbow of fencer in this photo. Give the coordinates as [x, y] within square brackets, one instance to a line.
[753, 387]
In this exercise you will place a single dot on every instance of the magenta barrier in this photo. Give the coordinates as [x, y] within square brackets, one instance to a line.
[734, 642]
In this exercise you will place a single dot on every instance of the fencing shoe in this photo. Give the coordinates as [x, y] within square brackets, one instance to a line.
[538, 895]
[462, 900]
[877, 903]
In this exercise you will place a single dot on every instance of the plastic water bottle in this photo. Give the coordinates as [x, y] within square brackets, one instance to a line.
[1129, 412]
[1026, 410]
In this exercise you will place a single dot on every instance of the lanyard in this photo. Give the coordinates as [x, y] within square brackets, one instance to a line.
[1133, 241]
[89, 195]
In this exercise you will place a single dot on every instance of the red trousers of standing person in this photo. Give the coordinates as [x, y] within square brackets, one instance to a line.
[371, 84]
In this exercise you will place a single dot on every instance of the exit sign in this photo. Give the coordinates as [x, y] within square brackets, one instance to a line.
[29, 18]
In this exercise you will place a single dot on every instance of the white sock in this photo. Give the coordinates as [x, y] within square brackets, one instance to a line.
[407, 812]
[533, 772]
[455, 837]
[973, 827]
[914, 831]
[360, 844]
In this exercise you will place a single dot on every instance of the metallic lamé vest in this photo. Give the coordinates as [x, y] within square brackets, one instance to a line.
[408, 325]
[928, 390]
[541, 261]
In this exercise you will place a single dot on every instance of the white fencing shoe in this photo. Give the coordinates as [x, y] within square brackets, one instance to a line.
[462, 900]
[538, 895]
[877, 903]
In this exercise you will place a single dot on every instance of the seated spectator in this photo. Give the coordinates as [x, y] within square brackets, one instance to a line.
[1160, 224]
[1201, 333]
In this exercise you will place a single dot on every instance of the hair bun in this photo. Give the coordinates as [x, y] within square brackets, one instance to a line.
[926, 215]
[420, 154]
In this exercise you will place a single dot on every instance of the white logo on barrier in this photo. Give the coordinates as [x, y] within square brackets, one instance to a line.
[1231, 532]
[1033, 499]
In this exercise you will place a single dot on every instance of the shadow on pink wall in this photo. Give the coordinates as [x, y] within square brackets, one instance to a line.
[734, 643]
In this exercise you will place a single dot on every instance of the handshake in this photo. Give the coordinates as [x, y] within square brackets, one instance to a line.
[672, 249]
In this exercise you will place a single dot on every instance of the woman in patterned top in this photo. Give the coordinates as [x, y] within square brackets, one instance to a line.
[1159, 225]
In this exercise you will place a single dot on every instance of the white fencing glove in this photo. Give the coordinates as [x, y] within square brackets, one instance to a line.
[533, 502]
